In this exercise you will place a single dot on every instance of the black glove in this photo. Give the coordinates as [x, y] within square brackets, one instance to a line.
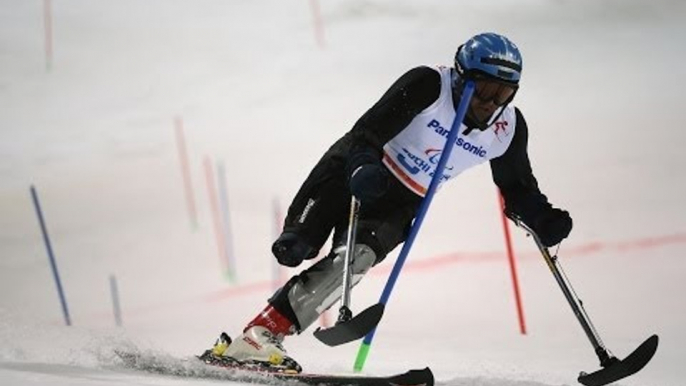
[552, 226]
[369, 182]
[290, 250]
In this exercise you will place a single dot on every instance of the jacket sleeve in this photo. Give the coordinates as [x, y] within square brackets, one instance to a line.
[413, 92]
[513, 175]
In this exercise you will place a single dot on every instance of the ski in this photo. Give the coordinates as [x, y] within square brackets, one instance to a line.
[233, 371]
[262, 374]
[423, 377]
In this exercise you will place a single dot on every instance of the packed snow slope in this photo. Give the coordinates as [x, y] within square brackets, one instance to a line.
[261, 89]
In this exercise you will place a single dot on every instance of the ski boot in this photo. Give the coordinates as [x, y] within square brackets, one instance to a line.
[256, 349]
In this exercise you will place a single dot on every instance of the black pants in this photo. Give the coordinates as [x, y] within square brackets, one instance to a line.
[322, 205]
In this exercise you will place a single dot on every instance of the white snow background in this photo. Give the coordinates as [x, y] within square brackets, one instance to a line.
[602, 90]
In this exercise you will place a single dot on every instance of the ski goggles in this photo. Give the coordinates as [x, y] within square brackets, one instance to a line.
[500, 93]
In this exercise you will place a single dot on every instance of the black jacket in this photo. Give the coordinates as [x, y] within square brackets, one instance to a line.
[408, 96]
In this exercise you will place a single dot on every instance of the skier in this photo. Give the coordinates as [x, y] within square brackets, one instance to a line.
[387, 162]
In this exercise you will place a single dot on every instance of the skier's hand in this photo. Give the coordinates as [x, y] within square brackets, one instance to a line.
[369, 182]
[290, 250]
[553, 226]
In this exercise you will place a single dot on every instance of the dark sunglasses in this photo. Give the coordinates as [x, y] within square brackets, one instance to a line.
[498, 92]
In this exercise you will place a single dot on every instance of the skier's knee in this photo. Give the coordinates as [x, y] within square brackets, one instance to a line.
[363, 258]
[290, 250]
[371, 243]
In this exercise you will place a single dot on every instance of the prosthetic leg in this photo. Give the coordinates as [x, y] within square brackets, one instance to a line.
[298, 304]
[348, 328]
[308, 295]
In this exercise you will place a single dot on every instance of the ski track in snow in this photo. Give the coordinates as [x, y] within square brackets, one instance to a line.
[77, 356]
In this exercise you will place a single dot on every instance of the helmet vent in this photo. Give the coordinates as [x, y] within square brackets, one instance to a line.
[503, 63]
[505, 74]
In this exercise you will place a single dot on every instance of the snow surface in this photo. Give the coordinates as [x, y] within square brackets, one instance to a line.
[602, 91]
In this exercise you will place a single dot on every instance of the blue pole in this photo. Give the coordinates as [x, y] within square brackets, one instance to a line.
[51, 256]
[114, 290]
[423, 208]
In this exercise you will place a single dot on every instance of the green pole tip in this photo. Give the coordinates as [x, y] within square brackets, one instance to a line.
[228, 275]
[361, 357]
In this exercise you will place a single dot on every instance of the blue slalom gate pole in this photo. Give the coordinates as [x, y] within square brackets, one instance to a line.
[467, 93]
[116, 307]
[51, 256]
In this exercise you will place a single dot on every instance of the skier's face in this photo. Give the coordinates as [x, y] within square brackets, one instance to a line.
[480, 110]
[488, 96]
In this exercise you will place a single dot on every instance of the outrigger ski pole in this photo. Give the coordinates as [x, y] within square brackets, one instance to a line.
[613, 369]
[347, 327]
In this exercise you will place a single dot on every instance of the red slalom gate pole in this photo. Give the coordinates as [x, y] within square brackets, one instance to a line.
[47, 26]
[185, 172]
[513, 265]
[317, 23]
[278, 274]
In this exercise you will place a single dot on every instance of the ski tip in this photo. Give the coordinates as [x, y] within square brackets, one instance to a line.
[643, 354]
[419, 377]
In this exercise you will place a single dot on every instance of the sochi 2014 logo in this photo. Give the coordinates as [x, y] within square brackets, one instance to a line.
[414, 164]
[435, 156]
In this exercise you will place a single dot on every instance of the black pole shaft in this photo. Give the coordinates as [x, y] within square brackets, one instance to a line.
[565, 286]
[349, 250]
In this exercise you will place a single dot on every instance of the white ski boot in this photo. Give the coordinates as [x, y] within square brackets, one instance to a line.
[257, 348]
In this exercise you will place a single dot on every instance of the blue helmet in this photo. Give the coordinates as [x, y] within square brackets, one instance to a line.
[491, 55]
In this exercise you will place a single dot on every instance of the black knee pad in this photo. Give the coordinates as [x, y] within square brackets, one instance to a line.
[290, 250]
